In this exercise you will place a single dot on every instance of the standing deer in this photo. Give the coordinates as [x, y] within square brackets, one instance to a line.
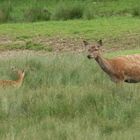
[13, 83]
[120, 69]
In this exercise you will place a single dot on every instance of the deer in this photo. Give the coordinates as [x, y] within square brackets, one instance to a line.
[120, 69]
[14, 83]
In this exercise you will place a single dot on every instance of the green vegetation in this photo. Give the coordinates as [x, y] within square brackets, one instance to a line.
[119, 32]
[67, 97]
[93, 29]
[33, 10]
[64, 95]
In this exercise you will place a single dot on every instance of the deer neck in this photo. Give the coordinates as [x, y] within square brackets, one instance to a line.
[104, 64]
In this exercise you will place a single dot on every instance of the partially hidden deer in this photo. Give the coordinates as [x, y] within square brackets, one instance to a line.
[120, 69]
[13, 83]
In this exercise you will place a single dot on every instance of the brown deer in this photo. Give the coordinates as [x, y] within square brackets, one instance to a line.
[120, 69]
[13, 83]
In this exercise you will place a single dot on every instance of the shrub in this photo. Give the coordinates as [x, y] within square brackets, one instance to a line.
[64, 11]
[37, 14]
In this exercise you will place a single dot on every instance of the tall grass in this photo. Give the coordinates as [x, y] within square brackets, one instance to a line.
[14, 11]
[5, 12]
[36, 13]
[68, 10]
[67, 97]
[136, 12]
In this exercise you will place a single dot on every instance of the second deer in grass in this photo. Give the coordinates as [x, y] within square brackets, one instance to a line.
[120, 69]
[13, 83]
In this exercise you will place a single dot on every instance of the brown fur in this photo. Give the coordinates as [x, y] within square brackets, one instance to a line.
[120, 69]
[13, 83]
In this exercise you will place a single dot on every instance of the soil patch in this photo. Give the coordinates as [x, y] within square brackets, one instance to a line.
[57, 44]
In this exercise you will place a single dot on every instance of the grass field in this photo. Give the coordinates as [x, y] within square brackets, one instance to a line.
[118, 32]
[67, 97]
[92, 29]
[64, 95]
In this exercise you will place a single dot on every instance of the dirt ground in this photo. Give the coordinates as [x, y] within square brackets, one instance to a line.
[60, 45]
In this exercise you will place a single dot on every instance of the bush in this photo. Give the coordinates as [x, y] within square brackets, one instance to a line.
[37, 14]
[64, 11]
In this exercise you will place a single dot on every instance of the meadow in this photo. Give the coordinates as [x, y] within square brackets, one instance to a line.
[66, 96]
[116, 32]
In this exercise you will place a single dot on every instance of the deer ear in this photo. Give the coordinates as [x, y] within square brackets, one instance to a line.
[100, 42]
[85, 43]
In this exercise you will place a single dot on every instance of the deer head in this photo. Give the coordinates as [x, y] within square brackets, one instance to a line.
[21, 73]
[93, 50]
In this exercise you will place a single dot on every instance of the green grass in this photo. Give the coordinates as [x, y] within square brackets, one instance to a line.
[67, 97]
[115, 32]
[98, 28]
[101, 27]
[32, 10]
